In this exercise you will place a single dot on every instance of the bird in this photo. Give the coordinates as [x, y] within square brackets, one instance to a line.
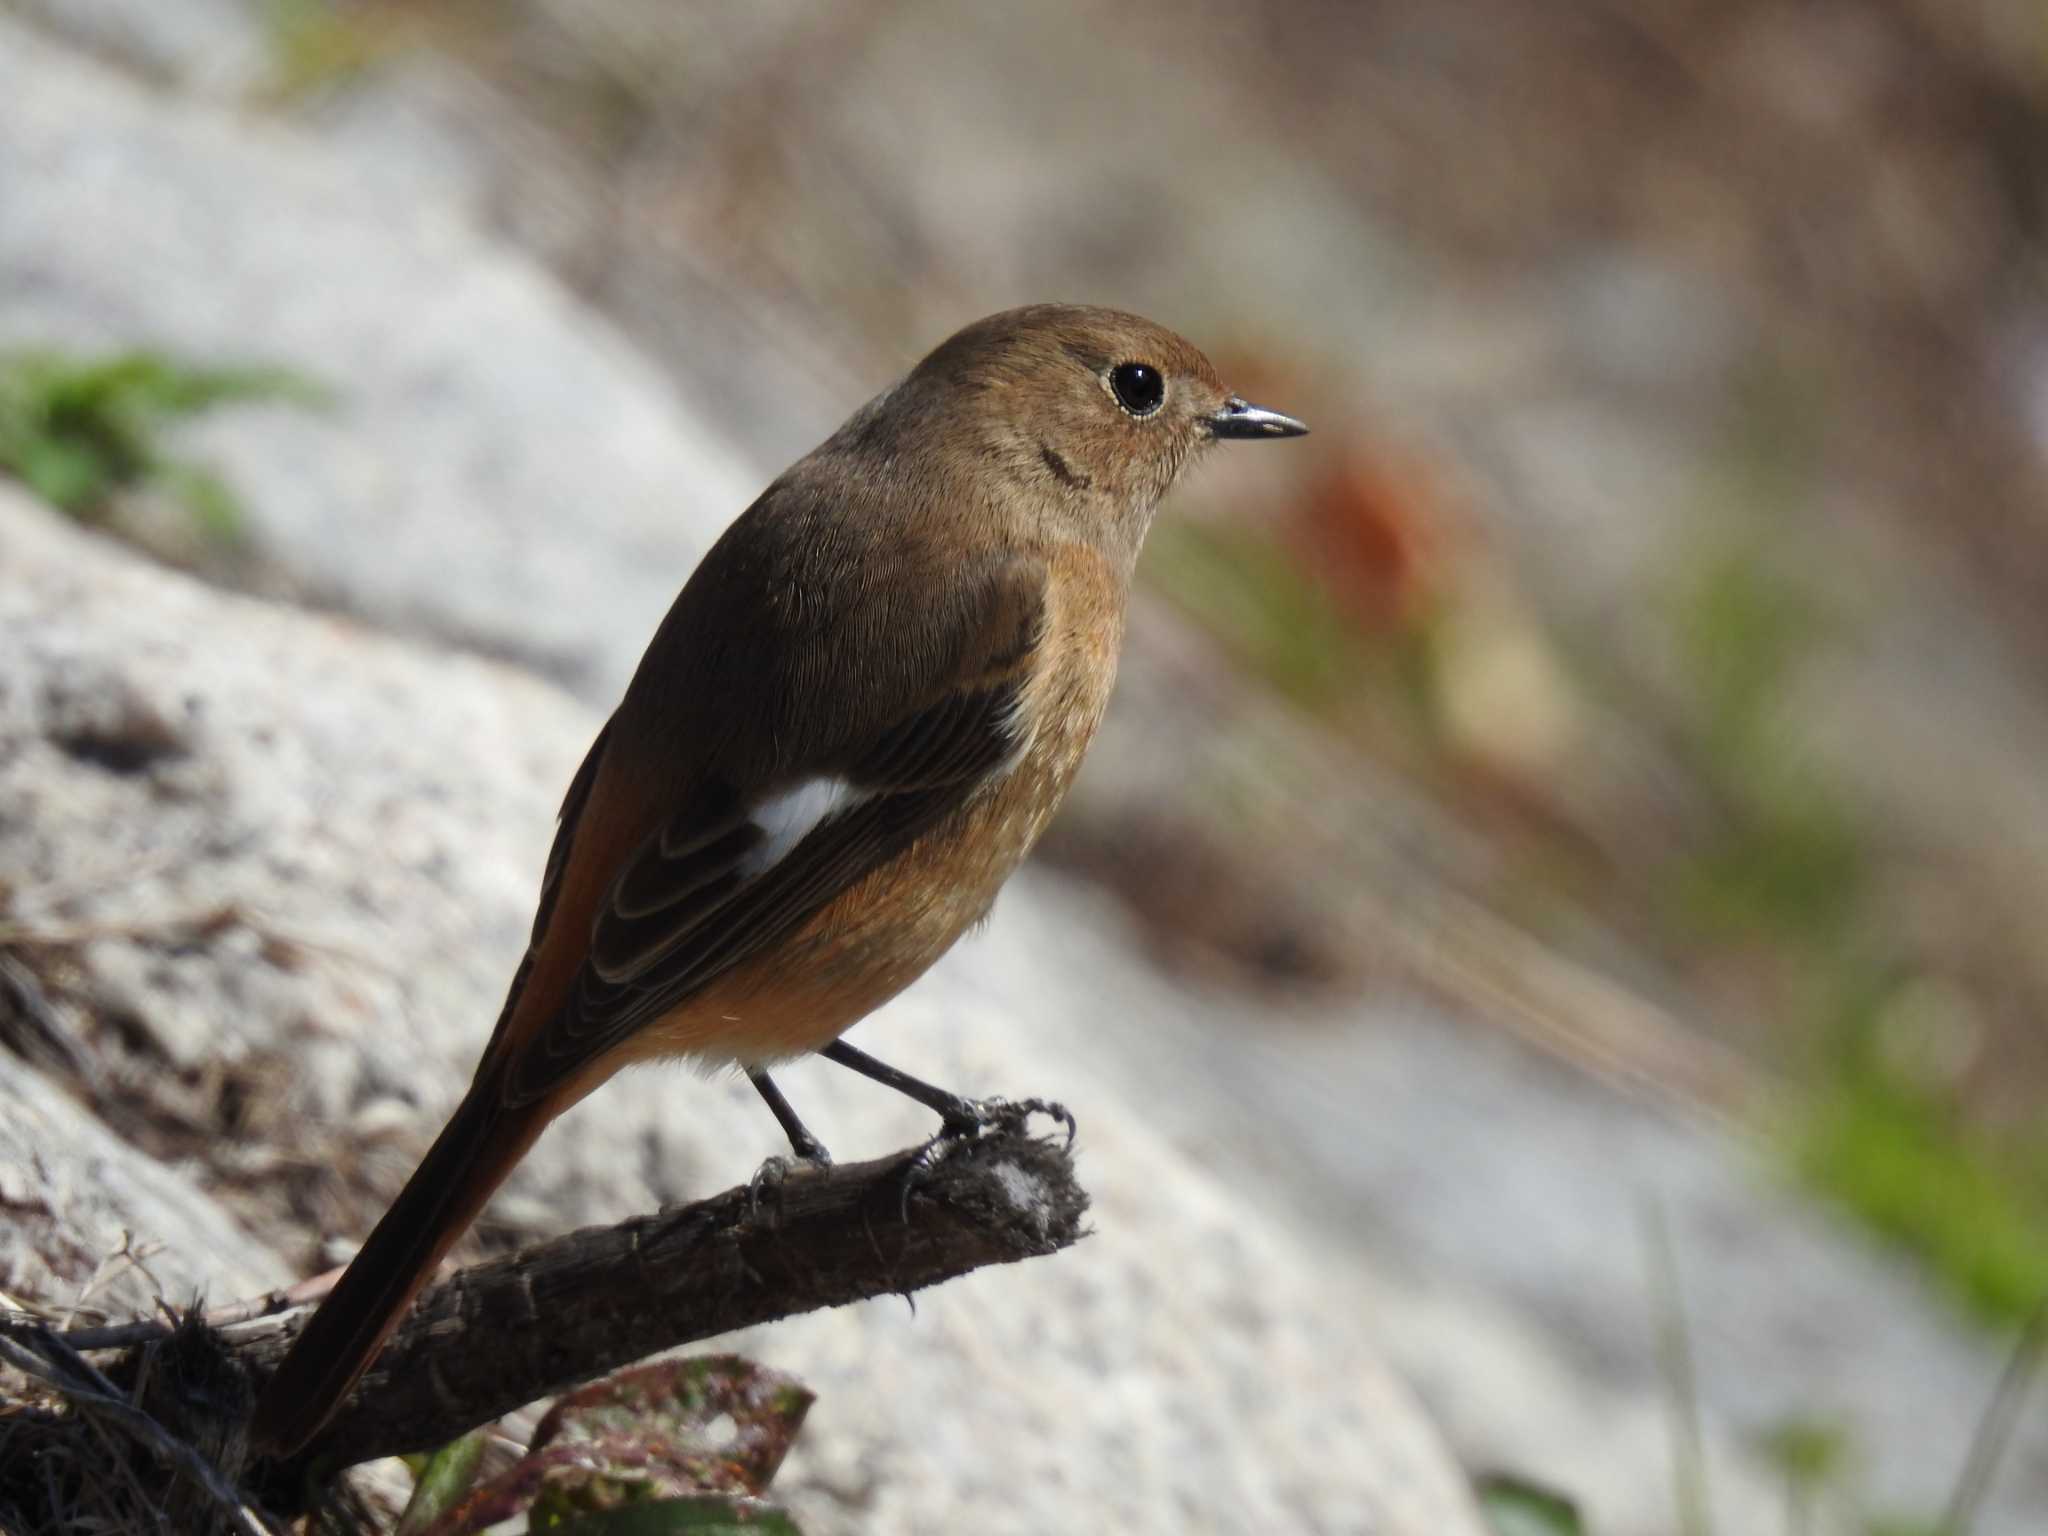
[856, 719]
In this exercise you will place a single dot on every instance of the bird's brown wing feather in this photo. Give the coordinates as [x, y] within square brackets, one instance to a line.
[690, 904]
[566, 821]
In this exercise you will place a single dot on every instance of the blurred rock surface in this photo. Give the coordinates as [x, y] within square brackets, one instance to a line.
[1487, 1229]
[97, 1224]
[483, 425]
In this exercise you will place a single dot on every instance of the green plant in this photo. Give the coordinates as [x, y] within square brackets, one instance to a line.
[316, 44]
[1810, 1457]
[1789, 876]
[1790, 860]
[1791, 871]
[679, 1448]
[1681, 1380]
[1995, 1429]
[1912, 1167]
[1514, 1506]
[77, 431]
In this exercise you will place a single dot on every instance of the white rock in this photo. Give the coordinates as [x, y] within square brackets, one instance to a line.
[87, 1220]
[499, 465]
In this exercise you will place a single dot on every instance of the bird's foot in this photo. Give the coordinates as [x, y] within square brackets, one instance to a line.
[970, 1117]
[963, 1121]
[809, 1150]
[769, 1178]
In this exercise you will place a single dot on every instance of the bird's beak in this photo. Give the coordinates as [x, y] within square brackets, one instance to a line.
[1240, 418]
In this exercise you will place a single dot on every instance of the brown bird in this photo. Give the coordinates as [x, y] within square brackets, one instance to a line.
[855, 721]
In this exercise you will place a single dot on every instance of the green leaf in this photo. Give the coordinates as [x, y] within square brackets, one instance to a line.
[65, 474]
[1906, 1162]
[1807, 1453]
[1515, 1506]
[214, 508]
[442, 1482]
[657, 1434]
[705, 1515]
[77, 430]
[724, 1421]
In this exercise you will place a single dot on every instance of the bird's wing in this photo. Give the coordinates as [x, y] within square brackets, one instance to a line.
[730, 873]
[567, 820]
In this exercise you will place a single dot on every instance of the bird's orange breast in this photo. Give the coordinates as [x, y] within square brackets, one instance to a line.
[884, 931]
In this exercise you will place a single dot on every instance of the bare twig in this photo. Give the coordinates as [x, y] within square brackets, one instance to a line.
[127, 1256]
[499, 1335]
[147, 1330]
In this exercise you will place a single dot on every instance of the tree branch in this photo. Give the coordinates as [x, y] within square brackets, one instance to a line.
[502, 1334]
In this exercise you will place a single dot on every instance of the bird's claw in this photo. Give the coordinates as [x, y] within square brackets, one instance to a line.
[775, 1170]
[768, 1176]
[967, 1120]
[977, 1115]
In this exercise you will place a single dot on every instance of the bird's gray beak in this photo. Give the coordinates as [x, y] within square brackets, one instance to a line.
[1240, 418]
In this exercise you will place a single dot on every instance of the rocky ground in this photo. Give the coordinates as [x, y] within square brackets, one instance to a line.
[246, 847]
[264, 899]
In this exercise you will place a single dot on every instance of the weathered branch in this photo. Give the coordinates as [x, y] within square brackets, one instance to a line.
[499, 1335]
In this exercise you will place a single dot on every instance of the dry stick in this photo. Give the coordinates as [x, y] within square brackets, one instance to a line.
[499, 1335]
[147, 1330]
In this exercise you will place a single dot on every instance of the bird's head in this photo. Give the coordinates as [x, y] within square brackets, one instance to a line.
[1091, 413]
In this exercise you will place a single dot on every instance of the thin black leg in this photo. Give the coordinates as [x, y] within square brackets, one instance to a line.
[801, 1141]
[958, 1113]
[962, 1117]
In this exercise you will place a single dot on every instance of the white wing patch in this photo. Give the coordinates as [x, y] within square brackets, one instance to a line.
[790, 817]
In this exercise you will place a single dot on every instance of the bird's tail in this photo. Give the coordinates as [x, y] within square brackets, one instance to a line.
[471, 1157]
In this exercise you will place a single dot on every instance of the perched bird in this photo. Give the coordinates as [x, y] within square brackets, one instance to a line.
[855, 721]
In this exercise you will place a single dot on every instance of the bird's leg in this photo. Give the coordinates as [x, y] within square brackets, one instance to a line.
[961, 1117]
[801, 1141]
[806, 1146]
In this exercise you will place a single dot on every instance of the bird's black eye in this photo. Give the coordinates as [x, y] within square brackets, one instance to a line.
[1138, 387]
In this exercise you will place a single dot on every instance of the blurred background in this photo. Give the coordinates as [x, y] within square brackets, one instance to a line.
[1600, 770]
